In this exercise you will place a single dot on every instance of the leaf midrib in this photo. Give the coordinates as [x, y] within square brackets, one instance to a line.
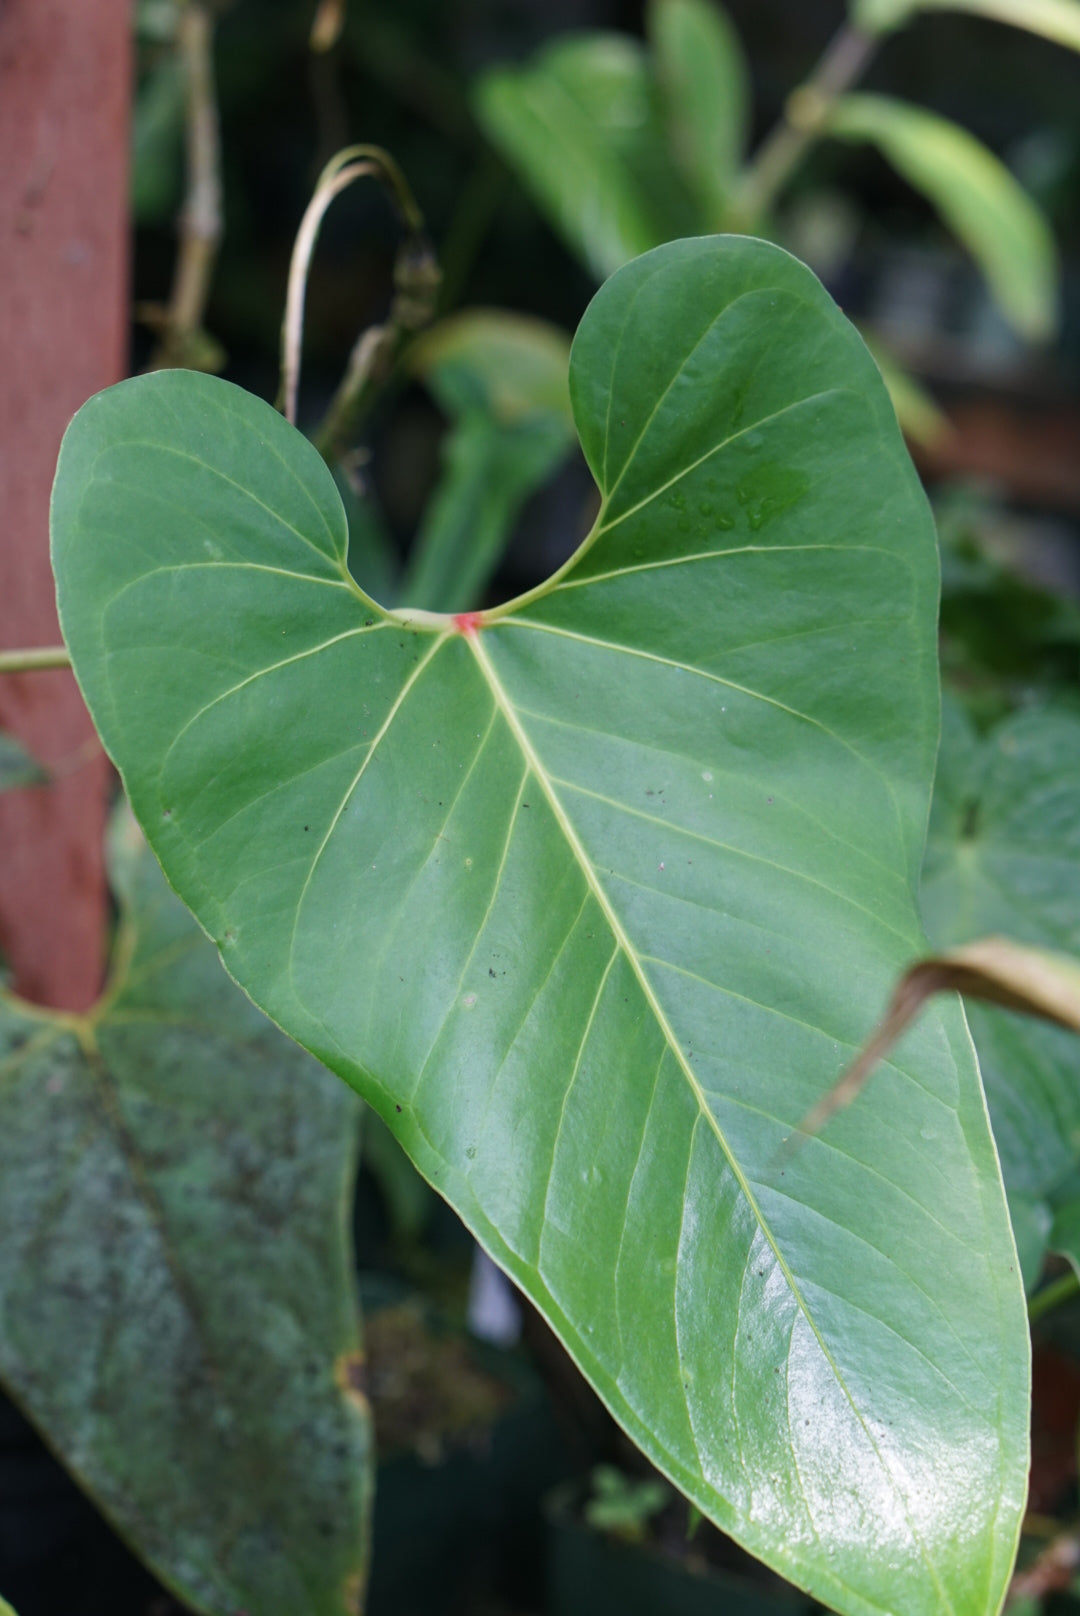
[509, 713]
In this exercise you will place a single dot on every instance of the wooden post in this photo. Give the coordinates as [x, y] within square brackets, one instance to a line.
[65, 88]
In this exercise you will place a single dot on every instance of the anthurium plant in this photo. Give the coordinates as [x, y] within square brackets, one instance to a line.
[592, 894]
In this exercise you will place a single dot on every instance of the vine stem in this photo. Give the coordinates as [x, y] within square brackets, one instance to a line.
[332, 181]
[34, 660]
[806, 115]
[416, 280]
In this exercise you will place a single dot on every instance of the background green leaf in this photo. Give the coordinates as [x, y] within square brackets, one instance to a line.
[705, 91]
[177, 1309]
[879, 16]
[1003, 855]
[580, 124]
[976, 196]
[593, 902]
[502, 380]
[1058, 20]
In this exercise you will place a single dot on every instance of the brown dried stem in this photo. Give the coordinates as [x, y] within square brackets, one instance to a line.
[183, 341]
[416, 282]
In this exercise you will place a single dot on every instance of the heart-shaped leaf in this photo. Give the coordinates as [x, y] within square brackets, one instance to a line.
[593, 895]
[177, 1311]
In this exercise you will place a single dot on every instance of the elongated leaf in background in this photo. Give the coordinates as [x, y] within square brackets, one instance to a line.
[17, 767]
[591, 896]
[177, 1307]
[879, 16]
[977, 197]
[580, 125]
[502, 380]
[1003, 855]
[705, 91]
[1058, 20]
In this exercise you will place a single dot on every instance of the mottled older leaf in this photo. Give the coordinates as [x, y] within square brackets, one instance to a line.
[177, 1308]
[1004, 855]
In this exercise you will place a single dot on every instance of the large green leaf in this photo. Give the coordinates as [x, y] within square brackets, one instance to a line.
[177, 1309]
[1058, 20]
[580, 124]
[502, 381]
[704, 85]
[975, 194]
[1003, 855]
[593, 895]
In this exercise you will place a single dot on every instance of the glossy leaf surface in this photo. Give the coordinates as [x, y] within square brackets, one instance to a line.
[1003, 855]
[592, 898]
[704, 87]
[177, 1308]
[978, 198]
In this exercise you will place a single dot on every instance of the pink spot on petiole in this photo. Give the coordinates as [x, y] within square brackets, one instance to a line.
[468, 622]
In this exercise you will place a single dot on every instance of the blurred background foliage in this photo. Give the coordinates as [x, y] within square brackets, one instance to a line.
[405, 77]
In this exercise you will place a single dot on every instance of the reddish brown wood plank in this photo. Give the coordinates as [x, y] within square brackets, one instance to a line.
[65, 78]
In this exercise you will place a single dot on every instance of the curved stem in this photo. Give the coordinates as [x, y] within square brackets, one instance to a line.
[351, 163]
[32, 661]
[292, 329]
